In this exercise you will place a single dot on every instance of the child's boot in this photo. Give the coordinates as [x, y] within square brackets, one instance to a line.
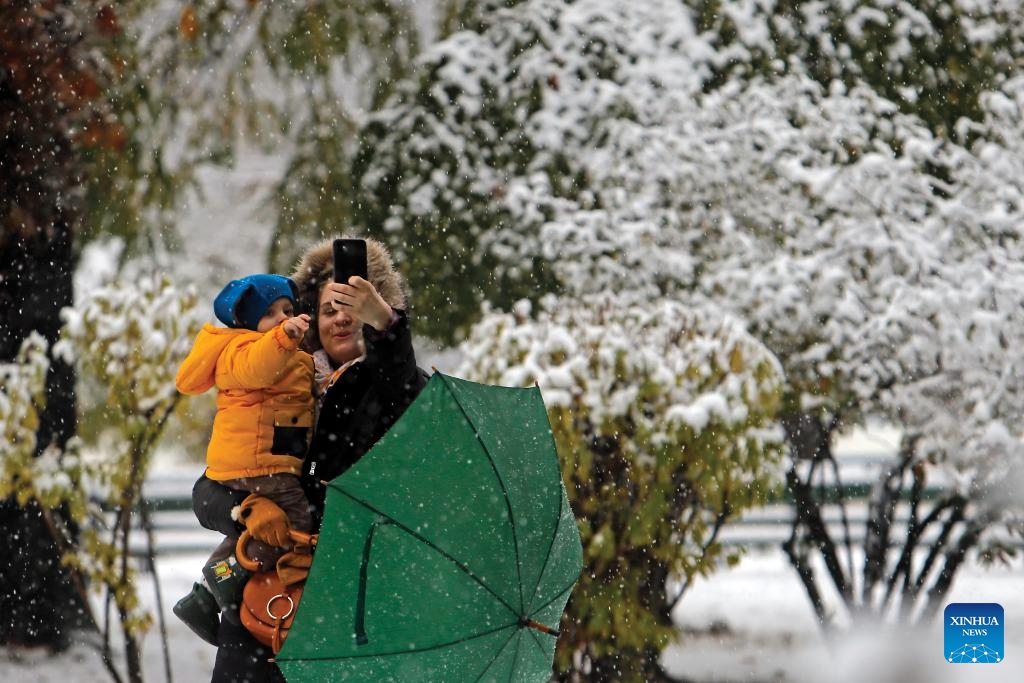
[226, 579]
[200, 613]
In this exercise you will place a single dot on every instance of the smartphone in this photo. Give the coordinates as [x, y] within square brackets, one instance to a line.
[349, 259]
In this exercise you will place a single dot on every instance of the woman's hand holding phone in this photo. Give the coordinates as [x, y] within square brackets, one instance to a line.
[362, 301]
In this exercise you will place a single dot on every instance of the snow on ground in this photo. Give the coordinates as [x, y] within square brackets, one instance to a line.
[191, 658]
[754, 623]
[751, 623]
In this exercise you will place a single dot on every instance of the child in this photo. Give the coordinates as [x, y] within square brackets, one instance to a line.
[260, 432]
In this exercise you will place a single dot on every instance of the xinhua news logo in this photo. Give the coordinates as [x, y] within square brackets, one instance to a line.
[974, 633]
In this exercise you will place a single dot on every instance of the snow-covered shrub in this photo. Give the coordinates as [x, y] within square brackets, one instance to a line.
[50, 478]
[663, 420]
[128, 338]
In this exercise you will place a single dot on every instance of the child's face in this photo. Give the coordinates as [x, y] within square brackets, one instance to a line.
[277, 313]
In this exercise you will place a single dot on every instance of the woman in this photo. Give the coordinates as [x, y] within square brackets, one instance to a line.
[366, 376]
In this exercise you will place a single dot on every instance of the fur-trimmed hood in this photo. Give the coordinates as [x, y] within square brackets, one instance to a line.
[316, 267]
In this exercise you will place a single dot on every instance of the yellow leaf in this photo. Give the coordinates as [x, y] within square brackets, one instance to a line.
[736, 360]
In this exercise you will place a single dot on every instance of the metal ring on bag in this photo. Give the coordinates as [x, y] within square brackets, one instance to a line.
[291, 606]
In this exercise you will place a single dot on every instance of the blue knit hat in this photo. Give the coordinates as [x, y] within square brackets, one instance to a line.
[244, 301]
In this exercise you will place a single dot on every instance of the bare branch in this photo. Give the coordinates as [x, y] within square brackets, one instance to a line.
[720, 521]
[882, 510]
[909, 545]
[808, 514]
[843, 517]
[914, 533]
[147, 527]
[807, 578]
[956, 515]
[954, 558]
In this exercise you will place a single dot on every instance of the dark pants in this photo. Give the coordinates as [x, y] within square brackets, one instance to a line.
[286, 491]
[241, 659]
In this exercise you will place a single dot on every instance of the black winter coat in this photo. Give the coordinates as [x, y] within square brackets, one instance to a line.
[355, 413]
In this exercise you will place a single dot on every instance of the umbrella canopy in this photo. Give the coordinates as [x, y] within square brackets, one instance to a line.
[447, 553]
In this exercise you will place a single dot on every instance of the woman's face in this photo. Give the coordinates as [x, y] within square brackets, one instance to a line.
[340, 334]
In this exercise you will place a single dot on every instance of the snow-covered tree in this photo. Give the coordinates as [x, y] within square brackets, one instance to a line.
[663, 420]
[932, 58]
[497, 118]
[593, 146]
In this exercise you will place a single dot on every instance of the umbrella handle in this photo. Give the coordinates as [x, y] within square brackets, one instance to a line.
[252, 565]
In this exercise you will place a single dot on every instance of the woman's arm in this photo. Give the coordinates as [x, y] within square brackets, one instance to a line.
[213, 502]
[391, 360]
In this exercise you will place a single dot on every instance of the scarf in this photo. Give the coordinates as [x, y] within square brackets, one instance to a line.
[325, 374]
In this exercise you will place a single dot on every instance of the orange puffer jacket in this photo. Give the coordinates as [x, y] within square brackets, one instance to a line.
[264, 403]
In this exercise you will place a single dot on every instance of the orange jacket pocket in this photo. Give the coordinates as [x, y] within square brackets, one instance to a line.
[291, 432]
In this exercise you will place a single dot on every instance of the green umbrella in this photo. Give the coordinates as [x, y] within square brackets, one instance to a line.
[447, 553]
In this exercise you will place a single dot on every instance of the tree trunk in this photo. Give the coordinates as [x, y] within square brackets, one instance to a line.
[38, 603]
[45, 81]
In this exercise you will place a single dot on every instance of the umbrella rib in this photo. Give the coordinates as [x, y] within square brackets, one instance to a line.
[551, 545]
[504, 490]
[363, 655]
[558, 595]
[430, 544]
[536, 641]
[494, 659]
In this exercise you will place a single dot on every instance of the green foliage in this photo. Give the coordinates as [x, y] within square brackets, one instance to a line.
[163, 93]
[662, 421]
[471, 15]
[293, 78]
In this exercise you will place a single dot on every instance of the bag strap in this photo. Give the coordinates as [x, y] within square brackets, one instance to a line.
[300, 537]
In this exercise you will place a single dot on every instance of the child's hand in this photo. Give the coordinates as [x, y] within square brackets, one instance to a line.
[265, 520]
[297, 326]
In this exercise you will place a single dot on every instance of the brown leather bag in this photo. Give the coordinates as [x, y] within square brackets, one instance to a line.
[268, 603]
